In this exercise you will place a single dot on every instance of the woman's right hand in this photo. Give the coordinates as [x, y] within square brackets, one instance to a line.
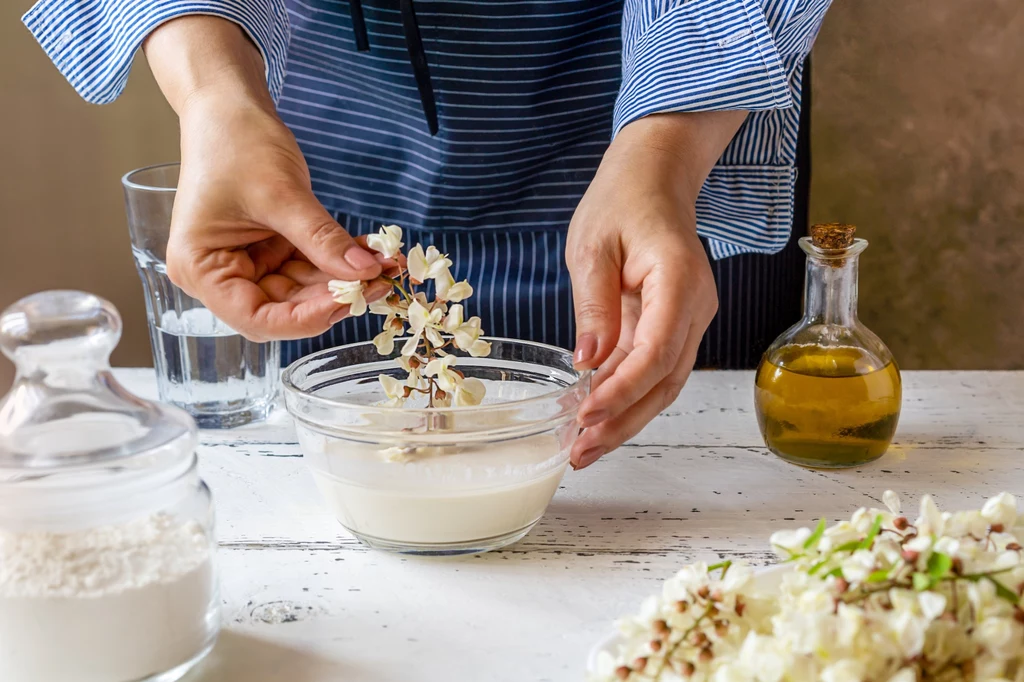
[248, 237]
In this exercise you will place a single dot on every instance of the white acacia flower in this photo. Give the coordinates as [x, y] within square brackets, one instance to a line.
[892, 501]
[429, 264]
[441, 369]
[932, 604]
[931, 521]
[387, 241]
[469, 391]
[905, 675]
[790, 541]
[480, 348]
[847, 670]
[450, 290]
[859, 565]
[1001, 637]
[350, 294]
[1001, 509]
[393, 389]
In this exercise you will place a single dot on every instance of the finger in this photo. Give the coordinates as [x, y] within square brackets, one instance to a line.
[657, 346]
[601, 439]
[596, 276]
[312, 230]
[269, 255]
[607, 368]
[225, 279]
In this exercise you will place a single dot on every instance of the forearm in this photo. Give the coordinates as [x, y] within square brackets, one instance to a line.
[684, 146]
[197, 54]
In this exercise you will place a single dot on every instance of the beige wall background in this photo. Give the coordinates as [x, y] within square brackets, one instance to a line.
[918, 139]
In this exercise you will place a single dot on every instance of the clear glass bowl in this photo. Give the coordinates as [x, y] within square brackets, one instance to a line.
[455, 480]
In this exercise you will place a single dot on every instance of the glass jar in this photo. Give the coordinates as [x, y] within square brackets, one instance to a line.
[828, 391]
[106, 529]
[455, 480]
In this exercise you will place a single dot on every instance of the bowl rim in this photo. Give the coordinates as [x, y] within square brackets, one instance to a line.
[293, 390]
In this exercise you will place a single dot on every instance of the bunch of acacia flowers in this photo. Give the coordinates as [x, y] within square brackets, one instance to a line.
[433, 326]
[877, 598]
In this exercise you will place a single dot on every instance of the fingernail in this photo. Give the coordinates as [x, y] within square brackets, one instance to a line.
[590, 456]
[586, 348]
[337, 317]
[359, 259]
[593, 418]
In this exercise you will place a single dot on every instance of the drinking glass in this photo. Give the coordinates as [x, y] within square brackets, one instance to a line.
[203, 366]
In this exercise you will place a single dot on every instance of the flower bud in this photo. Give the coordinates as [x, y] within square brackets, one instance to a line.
[1013, 546]
[704, 591]
[996, 528]
[705, 655]
[396, 325]
[639, 664]
[415, 362]
[661, 628]
[623, 672]
[655, 645]
[910, 555]
[407, 391]
[842, 585]
[682, 606]
[699, 639]
[1018, 616]
[740, 607]
[721, 628]
[687, 669]
[440, 395]
[393, 299]
[900, 523]
[958, 565]
[716, 595]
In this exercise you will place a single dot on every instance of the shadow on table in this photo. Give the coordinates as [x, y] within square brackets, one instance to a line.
[244, 657]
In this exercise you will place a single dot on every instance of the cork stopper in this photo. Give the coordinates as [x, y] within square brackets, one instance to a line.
[832, 235]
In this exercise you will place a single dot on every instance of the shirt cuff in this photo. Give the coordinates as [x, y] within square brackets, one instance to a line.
[701, 55]
[93, 42]
[746, 209]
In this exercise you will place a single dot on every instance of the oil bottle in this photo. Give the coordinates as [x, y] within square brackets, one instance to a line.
[827, 392]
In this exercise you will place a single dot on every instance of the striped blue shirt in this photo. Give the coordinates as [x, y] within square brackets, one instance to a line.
[525, 96]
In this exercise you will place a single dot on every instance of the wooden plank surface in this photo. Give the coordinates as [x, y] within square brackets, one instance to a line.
[306, 603]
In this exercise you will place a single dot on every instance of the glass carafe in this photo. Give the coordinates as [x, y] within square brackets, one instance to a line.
[828, 391]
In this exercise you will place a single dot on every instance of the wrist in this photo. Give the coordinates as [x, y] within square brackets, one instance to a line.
[199, 58]
[683, 147]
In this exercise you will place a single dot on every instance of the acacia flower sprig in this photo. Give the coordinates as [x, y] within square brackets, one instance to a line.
[877, 598]
[433, 326]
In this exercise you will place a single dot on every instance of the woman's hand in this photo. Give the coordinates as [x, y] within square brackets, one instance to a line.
[643, 289]
[248, 237]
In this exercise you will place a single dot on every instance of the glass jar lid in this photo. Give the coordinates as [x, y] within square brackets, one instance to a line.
[65, 411]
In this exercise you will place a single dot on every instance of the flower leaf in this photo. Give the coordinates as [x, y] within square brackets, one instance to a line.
[848, 546]
[869, 539]
[922, 581]
[878, 577]
[816, 535]
[1003, 591]
[939, 565]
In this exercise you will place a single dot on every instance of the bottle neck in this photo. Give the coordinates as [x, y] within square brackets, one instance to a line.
[830, 294]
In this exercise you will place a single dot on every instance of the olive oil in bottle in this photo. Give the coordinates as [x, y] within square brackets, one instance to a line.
[828, 392]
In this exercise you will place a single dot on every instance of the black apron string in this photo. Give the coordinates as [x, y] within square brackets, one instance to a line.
[418, 57]
[359, 25]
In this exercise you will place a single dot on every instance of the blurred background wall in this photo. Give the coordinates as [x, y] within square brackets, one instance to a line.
[918, 139]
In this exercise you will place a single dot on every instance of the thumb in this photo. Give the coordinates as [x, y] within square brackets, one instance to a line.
[596, 276]
[313, 231]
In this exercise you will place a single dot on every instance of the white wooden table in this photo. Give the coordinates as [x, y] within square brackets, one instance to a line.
[303, 602]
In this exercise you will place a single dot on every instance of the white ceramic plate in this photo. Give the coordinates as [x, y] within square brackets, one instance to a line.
[767, 578]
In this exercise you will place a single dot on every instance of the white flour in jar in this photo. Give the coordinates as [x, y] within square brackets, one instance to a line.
[108, 604]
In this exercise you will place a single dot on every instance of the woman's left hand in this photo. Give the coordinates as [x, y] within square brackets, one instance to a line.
[643, 289]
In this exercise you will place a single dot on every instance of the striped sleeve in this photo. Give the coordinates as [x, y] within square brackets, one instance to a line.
[93, 42]
[711, 55]
[716, 55]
